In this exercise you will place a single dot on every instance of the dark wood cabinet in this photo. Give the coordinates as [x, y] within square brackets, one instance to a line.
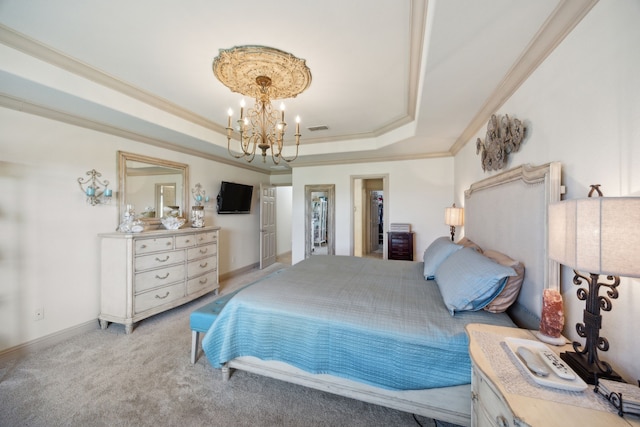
[400, 245]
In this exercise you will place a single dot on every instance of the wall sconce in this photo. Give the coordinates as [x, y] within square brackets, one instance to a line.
[600, 235]
[95, 196]
[454, 217]
[199, 195]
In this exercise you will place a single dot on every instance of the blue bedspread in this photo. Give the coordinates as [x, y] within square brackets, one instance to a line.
[374, 321]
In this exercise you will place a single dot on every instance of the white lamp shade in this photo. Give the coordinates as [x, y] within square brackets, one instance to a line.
[454, 216]
[598, 235]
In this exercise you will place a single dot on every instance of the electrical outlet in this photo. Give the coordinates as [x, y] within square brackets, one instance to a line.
[39, 314]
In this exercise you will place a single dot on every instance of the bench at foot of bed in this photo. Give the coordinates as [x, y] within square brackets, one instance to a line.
[203, 318]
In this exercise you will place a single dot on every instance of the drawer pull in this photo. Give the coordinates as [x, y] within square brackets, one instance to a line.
[168, 243]
[204, 251]
[202, 282]
[187, 241]
[143, 246]
[162, 260]
[502, 421]
[162, 278]
[205, 264]
[159, 297]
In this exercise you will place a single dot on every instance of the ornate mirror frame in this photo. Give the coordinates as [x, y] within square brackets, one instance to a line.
[156, 168]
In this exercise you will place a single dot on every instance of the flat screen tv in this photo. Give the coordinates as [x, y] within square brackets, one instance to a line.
[234, 198]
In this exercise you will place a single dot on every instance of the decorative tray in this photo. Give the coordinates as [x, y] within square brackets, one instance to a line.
[551, 380]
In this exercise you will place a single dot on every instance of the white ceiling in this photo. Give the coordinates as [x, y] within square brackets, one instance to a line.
[390, 78]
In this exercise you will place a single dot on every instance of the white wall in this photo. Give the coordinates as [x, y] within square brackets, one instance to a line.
[582, 108]
[419, 191]
[49, 248]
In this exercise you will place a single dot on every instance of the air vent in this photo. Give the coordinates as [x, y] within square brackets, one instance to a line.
[319, 127]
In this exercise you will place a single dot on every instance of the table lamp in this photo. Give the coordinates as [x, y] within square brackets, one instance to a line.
[601, 236]
[453, 217]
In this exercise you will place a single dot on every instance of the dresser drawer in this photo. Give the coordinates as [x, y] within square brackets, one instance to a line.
[201, 251]
[206, 281]
[186, 241]
[400, 244]
[209, 237]
[197, 267]
[157, 297]
[146, 262]
[144, 246]
[162, 276]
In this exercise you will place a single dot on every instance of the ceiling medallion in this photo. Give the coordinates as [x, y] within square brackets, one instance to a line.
[239, 67]
[263, 73]
[500, 141]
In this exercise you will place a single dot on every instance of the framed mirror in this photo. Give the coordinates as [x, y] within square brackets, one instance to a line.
[320, 220]
[151, 186]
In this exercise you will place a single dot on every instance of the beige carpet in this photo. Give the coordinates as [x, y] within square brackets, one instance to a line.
[107, 378]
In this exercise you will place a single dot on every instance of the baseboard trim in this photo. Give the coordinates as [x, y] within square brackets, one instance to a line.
[238, 272]
[41, 343]
[46, 341]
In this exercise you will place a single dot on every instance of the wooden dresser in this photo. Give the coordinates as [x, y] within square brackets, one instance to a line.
[400, 245]
[151, 272]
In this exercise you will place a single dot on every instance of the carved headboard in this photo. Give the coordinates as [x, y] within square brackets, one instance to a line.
[507, 212]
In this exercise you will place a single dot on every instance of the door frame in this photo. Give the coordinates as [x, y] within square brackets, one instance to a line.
[386, 206]
[330, 189]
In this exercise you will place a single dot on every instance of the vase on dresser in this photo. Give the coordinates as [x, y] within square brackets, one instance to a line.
[197, 216]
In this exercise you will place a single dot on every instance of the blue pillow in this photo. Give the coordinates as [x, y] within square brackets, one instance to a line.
[438, 251]
[468, 280]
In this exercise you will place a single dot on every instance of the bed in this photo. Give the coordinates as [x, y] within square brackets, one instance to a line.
[378, 330]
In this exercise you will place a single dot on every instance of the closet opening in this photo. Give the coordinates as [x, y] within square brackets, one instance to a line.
[369, 197]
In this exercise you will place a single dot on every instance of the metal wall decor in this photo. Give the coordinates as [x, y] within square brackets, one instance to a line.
[199, 195]
[96, 190]
[501, 140]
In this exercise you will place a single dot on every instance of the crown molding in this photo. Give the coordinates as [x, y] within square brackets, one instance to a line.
[72, 119]
[36, 49]
[560, 23]
[300, 162]
[43, 52]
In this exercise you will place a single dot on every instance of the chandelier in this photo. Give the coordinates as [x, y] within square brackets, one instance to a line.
[264, 74]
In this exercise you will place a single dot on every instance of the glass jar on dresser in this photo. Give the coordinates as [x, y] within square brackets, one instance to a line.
[147, 273]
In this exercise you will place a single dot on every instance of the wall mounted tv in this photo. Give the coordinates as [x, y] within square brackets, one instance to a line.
[234, 198]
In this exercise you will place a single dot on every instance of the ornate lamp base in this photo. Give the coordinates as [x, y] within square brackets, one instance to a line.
[588, 373]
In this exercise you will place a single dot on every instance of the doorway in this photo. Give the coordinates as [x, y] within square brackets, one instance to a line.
[374, 235]
[370, 205]
[319, 208]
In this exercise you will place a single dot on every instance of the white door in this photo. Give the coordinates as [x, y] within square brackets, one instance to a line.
[267, 225]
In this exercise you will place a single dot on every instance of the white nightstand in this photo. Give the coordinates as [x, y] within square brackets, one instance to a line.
[500, 398]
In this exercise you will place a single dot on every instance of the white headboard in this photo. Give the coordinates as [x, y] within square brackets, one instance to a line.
[507, 212]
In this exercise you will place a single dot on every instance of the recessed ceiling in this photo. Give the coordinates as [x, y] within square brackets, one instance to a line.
[391, 79]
